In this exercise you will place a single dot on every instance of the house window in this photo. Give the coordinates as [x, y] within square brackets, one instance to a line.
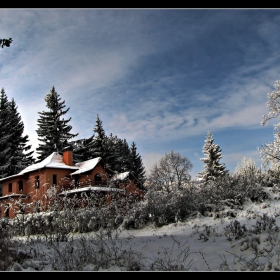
[97, 178]
[37, 182]
[10, 187]
[20, 185]
[54, 179]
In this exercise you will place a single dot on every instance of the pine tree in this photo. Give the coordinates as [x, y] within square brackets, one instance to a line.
[100, 138]
[5, 42]
[123, 156]
[82, 149]
[136, 165]
[20, 156]
[5, 135]
[53, 131]
[112, 151]
[213, 153]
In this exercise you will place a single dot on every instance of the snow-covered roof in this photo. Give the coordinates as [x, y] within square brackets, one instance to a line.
[120, 176]
[86, 165]
[54, 160]
[86, 189]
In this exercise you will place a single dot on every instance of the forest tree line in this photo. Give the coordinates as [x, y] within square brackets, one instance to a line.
[54, 134]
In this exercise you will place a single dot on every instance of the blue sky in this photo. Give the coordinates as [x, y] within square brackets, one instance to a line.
[159, 77]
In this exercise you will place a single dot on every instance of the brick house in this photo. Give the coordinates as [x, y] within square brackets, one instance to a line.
[29, 190]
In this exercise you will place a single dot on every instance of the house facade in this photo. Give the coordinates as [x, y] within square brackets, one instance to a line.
[41, 185]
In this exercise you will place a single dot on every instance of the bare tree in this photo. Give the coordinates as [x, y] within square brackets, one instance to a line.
[270, 153]
[171, 171]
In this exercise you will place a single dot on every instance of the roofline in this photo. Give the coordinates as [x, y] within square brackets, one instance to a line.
[45, 167]
[82, 172]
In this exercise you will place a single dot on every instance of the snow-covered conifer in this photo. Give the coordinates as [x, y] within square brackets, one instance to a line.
[213, 154]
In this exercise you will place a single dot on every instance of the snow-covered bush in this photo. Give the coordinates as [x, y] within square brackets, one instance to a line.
[247, 168]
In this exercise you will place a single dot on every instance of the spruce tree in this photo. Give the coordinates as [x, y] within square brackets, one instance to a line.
[100, 139]
[21, 157]
[5, 135]
[83, 149]
[136, 165]
[53, 131]
[213, 153]
[112, 151]
[123, 159]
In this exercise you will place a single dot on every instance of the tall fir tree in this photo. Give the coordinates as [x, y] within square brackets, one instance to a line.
[136, 165]
[112, 151]
[123, 156]
[116, 153]
[213, 154]
[53, 131]
[21, 156]
[82, 149]
[5, 135]
[100, 140]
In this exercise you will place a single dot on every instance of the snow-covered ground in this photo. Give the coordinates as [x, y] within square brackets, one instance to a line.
[200, 243]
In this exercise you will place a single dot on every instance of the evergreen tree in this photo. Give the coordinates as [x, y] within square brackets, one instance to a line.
[82, 149]
[20, 156]
[136, 165]
[53, 131]
[5, 135]
[5, 42]
[112, 152]
[123, 159]
[100, 139]
[213, 153]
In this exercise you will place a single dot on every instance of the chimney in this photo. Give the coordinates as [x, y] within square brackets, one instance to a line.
[68, 155]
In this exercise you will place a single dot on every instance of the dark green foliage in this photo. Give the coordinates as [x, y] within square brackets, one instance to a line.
[14, 150]
[115, 152]
[5, 42]
[99, 141]
[20, 157]
[53, 131]
[122, 153]
[82, 149]
[5, 135]
[136, 166]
